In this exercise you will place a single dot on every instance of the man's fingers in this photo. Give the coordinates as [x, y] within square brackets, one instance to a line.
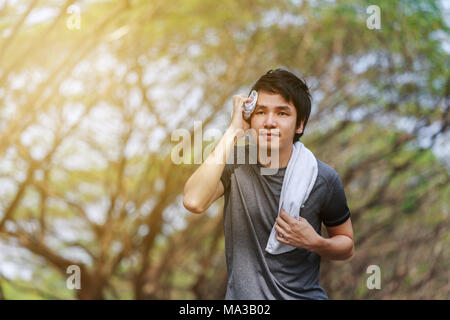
[279, 230]
[286, 217]
[238, 100]
[279, 238]
[282, 223]
[301, 219]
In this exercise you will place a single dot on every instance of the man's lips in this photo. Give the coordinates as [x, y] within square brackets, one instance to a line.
[268, 134]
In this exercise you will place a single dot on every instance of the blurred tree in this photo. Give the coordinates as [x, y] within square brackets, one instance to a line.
[86, 117]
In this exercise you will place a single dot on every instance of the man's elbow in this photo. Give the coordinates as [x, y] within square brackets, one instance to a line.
[350, 253]
[192, 206]
[345, 254]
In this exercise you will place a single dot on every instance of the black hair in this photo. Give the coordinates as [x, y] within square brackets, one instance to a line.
[293, 89]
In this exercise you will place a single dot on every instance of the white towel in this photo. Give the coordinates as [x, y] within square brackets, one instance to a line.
[301, 174]
[250, 106]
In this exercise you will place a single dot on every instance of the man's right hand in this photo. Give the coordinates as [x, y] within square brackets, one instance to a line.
[238, 122]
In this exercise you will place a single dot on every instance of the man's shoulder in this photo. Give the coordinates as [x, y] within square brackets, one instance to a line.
[326, 172]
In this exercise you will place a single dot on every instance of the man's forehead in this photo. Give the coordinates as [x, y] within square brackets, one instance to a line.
[271, 100]
[280, 107]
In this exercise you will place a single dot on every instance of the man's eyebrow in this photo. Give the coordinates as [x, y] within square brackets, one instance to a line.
[276, 107]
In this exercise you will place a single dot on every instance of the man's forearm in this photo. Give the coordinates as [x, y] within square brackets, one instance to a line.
[223, 149]
[338, 247]
[201, 186]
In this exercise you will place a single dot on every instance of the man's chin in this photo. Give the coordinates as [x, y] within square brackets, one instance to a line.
[269, 145]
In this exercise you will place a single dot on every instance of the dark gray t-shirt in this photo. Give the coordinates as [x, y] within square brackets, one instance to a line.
[250, 209]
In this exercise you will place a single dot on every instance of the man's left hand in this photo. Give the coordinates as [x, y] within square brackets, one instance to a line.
[296, 232]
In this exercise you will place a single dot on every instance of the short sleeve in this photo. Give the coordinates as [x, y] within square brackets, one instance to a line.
[335, 210]
[229, 169]
[226, 176]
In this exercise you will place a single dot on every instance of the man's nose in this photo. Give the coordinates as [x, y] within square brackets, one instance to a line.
[270, 121]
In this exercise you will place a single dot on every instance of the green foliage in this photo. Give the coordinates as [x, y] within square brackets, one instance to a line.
[365, 83]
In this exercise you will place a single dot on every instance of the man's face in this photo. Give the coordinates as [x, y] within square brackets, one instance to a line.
[274, 121]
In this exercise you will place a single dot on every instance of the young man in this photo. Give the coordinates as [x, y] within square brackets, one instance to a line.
[252, 199]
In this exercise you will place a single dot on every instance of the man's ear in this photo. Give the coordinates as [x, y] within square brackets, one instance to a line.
[300, 128]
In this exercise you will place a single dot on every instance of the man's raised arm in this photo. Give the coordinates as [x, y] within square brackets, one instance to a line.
[204, 186]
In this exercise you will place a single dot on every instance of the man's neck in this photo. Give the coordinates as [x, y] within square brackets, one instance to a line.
[283, 154]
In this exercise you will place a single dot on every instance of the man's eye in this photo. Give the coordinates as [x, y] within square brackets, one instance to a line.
[283, 113]
[259, 112]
